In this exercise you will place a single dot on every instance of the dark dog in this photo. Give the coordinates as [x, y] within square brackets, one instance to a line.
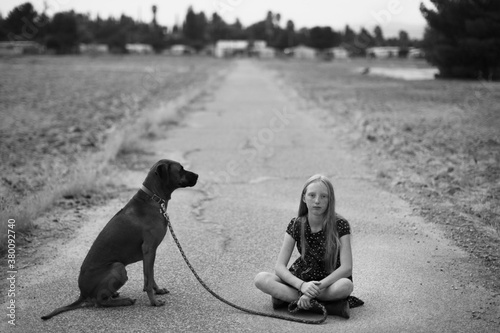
[133, 234]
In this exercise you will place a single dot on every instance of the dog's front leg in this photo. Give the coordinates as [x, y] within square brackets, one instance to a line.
[149, 254]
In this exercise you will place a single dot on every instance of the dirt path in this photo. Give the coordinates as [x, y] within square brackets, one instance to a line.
[254, 143]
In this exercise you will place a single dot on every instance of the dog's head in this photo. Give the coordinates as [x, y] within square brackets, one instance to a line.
[169, 175]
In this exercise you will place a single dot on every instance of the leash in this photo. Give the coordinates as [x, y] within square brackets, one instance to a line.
[292, 307]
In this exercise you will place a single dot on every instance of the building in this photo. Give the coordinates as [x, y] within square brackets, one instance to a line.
[260, 49]
[335, 53]
[301, 52]
[340, 53]
[180, 49]
[382, 52]
[266, 53]
[20, 48]
[208, 50]
[230, 48]
[139, 48]
[93, 49]
[415, 53]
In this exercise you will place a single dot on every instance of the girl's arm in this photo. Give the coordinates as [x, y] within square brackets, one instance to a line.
[345, 269]
[283, 258]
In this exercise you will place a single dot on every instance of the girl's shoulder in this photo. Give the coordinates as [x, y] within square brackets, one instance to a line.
[293, 228]
[343, 226]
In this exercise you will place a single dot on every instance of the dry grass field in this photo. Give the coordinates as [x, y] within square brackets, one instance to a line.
[436, 142]
[64, 118]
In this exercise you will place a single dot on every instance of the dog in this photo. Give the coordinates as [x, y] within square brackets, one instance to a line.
[132, 235]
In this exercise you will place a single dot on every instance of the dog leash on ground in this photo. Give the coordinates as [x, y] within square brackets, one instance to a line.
[314, 303]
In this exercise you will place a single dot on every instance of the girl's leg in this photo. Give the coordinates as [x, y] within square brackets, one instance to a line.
[337, 291]
[271, 284]
[334, 298]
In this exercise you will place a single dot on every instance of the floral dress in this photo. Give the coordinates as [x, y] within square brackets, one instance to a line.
[312, 267]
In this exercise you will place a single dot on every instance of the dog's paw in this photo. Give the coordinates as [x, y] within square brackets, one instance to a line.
[161, 291]
[158, 302]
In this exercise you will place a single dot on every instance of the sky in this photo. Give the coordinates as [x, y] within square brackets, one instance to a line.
[391, 15]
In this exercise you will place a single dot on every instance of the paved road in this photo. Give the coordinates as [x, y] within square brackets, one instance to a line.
[254, 143]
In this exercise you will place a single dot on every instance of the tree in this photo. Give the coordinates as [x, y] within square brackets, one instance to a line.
[284, 38]
[379, 36]
[258, 31]
[290, 33]
[236, 31]
[154, 8]
[217, 28]
[462, 38]
[3, 35]
[269, 25]
[360, 43]
[195, 29]
[63, 34]
[323, 38]
[22, 23]
[277, 19]
[190, 28]
[348, 36]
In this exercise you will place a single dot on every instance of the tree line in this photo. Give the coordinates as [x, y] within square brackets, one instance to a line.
[64, 31]
[462, 37]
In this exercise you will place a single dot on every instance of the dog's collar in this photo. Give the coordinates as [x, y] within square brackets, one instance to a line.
[162, 202]
[153, 196]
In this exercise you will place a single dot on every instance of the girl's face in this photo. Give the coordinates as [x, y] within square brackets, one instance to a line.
[316, 198]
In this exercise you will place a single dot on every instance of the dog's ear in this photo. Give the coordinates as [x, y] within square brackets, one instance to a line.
[162, 170]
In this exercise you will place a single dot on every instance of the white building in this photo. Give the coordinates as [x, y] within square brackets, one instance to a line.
[266, 52]
[229, 48]
[180, 49]
[93, 48]
[416, 53]
[21, 47]
[139, 48]
[338, 53]
[382, 52]
[301, 52]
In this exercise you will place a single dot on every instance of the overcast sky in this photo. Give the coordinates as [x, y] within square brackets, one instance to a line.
[391, 15]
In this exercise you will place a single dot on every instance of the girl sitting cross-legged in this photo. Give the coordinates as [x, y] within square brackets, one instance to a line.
[324, 269]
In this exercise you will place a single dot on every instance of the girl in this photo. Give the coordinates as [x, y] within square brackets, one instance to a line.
[324, 269]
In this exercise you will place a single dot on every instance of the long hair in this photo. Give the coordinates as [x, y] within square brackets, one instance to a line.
[329, 223]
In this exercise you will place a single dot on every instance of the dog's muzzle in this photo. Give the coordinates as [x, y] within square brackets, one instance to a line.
[189, 179]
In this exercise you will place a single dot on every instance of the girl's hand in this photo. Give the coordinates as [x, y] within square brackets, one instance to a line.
[311, 289]
[304, 302]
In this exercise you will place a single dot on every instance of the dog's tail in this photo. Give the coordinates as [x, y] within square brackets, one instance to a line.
[75, 305]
